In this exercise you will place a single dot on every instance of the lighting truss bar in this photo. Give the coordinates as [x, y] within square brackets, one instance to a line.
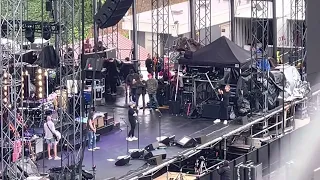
[69, 13]
[298, 31]
[160, 26]
[37, 25]
[259, 40]
[203, 21]
[10, 127]
[112, 37]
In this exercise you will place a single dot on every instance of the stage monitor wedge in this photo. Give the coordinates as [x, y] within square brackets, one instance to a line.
[122, 160]
[187, 142]
[111, 12]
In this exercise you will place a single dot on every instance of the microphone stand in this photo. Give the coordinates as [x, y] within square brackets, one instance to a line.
[138, 122]
[127, 132]
[160, 115]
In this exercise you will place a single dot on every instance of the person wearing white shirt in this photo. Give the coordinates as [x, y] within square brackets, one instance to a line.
[49, 135]
[132, 116]
[92, 138]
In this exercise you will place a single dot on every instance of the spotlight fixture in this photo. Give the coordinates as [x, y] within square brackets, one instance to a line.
[40, 77]
[29, 33]
[46, 32]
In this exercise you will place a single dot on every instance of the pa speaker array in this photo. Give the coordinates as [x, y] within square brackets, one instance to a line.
[111, 12]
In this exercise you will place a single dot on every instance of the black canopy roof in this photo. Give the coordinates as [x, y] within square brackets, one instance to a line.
[221, 52]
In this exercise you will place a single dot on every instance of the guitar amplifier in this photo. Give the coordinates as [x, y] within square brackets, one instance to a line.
[99, 122]
[211, 111]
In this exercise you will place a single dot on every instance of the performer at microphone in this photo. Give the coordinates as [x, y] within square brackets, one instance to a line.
[224, 171]
[225, 98]
[132, 116]
[92, 138]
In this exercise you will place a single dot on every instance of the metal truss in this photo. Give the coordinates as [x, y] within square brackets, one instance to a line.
[298, 31]
[69, 13]
[203, 21]
[11, 85]
[160, 26]
[112, 37]
[259, 41]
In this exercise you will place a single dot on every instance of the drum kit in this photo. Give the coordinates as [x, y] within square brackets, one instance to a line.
[35, 115]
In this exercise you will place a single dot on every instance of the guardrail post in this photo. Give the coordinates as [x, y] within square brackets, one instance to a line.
[225, 148]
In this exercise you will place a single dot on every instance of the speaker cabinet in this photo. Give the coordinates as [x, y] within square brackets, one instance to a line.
[211, 111]
[161, 152]
[122, 160]
[187, 142]
[112, 12]
[157, 160]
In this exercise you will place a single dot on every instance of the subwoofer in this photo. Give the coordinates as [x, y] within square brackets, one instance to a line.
[111, 12]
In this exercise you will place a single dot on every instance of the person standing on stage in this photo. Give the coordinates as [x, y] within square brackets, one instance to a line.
[92, 138]
[224, 171]
[141, 91]
[131, 81]
[51, 137]
[225, 98]
[149, 64]
[152, 88]
[132, 116]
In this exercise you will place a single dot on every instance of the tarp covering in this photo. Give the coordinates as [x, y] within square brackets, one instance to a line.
[221, 52]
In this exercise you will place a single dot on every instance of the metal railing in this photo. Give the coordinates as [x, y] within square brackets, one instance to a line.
[198, 149]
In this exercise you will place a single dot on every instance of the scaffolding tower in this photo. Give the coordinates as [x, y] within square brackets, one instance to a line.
[160, 26]
[203, 21]
[69, 14]
[259, 42]
[12, 12]
[298, 32]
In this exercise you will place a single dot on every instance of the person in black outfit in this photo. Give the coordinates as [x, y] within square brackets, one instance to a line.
[149, 64]
[225, 98]
[132, 116]
[113, 75]
[224, 171]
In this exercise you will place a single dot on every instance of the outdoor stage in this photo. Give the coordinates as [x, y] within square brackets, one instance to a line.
[114, 144]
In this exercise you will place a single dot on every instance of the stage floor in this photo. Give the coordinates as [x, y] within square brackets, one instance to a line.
[114, 144]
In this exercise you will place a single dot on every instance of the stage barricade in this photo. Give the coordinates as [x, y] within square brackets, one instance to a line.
[277, 153]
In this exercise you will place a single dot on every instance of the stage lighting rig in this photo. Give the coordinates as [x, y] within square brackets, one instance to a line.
[32, 27]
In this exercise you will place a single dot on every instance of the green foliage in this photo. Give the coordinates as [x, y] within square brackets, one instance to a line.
[35, 11]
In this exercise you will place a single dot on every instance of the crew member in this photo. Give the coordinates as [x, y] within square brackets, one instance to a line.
[99, 47]
[113, 75]
[152, 88]
[141, 91]
[132, 116]
[52, 136]
[131, 81]
[149, 64]
[92, 138]
[224, 171]
[225, 98]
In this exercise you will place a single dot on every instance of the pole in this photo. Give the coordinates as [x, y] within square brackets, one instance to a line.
[275, 27]
[135, 36]
[232, 20]
[95, 26]
[191, 19]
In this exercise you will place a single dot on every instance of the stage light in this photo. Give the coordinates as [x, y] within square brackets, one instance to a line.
[39, 71]
[5, 75]
[26, 73]
[46, 32]
[40, 83]
[29, 33]
[40, 95]
[5, 100]
[39, 77]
